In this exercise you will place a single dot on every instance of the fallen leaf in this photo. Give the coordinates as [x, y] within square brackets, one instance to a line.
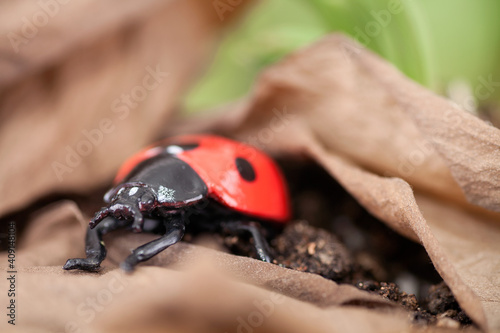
[80, 92]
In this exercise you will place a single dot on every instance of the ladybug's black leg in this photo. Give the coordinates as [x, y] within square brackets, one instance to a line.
[94, 246]
[174, 233]
[254, 229]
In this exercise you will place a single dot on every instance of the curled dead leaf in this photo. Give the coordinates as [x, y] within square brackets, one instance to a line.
[396, 147]
[76, 86]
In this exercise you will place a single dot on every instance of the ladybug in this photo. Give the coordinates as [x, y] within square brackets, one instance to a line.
[201, 182]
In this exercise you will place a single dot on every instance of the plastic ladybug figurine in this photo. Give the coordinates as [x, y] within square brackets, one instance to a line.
[213, 183]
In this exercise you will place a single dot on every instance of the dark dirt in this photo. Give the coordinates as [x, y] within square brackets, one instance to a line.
[307, 249]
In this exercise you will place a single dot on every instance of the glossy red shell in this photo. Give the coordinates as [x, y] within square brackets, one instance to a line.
[213, 160]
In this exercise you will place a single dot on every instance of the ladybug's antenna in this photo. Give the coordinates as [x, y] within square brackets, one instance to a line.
[99, 216]
[121, 212]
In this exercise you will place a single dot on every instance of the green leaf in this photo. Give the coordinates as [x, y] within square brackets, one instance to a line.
[432, 42]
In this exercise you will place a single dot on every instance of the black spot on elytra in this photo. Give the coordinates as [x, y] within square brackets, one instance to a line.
[245, 169]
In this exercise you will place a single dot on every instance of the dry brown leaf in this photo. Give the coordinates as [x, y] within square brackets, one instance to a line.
[468, 145]
[384, 137]
[67, 74]
[154, 298]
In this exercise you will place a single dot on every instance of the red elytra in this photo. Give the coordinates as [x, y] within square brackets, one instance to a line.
[213, 159]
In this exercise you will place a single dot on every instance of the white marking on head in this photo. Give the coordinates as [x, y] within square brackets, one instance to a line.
[166, 194]
[133, 191]
[173, 149]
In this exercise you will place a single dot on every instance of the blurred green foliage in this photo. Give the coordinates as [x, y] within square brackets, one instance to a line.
[432, 41]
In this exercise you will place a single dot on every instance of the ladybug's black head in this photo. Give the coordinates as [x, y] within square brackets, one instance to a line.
[133, 193]
[128, 201]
